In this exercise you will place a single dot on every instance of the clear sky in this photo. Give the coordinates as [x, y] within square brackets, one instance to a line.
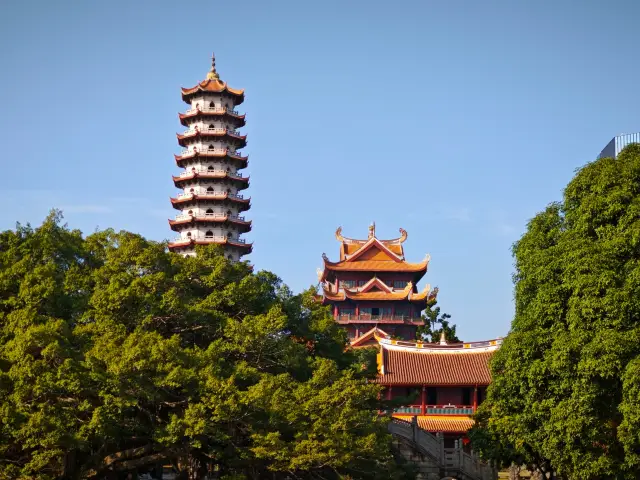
[456, 120]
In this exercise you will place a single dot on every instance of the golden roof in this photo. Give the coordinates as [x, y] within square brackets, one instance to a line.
[212, 84]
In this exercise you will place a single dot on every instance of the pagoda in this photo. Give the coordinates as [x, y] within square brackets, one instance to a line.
[210, 203]
[372, 288]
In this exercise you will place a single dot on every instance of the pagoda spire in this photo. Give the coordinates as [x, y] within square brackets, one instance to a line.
[213, 74]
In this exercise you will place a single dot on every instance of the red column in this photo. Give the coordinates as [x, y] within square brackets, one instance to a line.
[389, 392]
[424, 400]
[475, 399]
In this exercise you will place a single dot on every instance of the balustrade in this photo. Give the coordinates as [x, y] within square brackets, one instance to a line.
[186, 216]
[205, 193]
[231, 111]
[205, 171]
[210, 238]
[366, 317]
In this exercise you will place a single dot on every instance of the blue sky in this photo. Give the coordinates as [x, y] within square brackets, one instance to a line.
[455, 120]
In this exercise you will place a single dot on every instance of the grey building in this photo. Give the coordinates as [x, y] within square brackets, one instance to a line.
[617, 143]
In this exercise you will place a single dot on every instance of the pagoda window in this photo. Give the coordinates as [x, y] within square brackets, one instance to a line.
[190, 212]
[347, 283]
[209, 234]
[228, 212]
[402, 312]
[212, 105]
[365, 311]
[361, 283]
[212, 126]
[399, 283]
[210, 168]
[211, 147]
[230, 257]
[189, 234]
[191, 190]
[385, 311]
[209, 211]
[210, 190]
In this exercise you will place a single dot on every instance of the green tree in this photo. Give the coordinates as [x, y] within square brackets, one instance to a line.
[434, 324]
[118, 357]
[565, 396]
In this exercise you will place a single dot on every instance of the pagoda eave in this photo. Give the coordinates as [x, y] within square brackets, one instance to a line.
[192, 199]
[243, 225]
[190, 243]
[180, 181]
[212, 86]
[238, 119]
[183, 157]
[231, 137]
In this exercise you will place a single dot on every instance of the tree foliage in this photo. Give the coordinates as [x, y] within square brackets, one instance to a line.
[117, 356]
[565, 395]
[434, 324]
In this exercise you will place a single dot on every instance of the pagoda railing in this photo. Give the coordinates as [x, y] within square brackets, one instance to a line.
[211, 151]
[210, 238]
[212, 110]
[210, 194]
[186, 216]
[190, 172]
[222, 131]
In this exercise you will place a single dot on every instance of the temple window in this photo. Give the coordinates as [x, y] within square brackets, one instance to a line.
[211, 147]
[401, 312]
[385, 311]
[347, 283]
[190, 212]
[347, 312]
[189, 234]
[212, 105]
[209, 211]
[432, 396]
[210, 190]
[399, 283]
[466, 396]
[361, 283]
[210, 168]
[212, 126]
[209, 234]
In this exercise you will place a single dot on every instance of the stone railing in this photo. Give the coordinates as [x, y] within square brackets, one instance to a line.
[211, 151]
[192, 111]
[209, 238]
[216, 215]
[436, 410]
[204, 193]
[455, 462]
[205, 171]
[369, 318]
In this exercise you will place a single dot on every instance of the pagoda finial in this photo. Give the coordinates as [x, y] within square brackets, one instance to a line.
[443, 338]
[372, 230]
[213, 75]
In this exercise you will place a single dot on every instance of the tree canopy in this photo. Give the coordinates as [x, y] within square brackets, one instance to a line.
[117, 356]
[435, 324]
[565, 395]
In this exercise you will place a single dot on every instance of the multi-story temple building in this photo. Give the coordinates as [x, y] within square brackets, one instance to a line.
[373, 292]
[372, 285]
[210, 203]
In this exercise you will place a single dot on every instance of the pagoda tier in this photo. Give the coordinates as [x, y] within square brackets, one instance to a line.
[193, 176]
[208, 114]
[447, 381]
[210, 203]
[372, 285]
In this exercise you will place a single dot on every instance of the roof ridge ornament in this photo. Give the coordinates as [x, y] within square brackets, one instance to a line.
[213, 74]
[372, 230]
[443, 338]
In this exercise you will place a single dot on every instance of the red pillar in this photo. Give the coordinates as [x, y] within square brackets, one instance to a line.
[475, 399]
[424, 400]
[389, 392]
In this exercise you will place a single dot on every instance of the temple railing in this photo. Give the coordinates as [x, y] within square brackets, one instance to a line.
[367, 317]
[210, 194]
[436, 410]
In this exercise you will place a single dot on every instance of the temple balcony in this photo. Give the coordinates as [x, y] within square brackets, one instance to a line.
[370, 318]
[448, 409]
[210, 152]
